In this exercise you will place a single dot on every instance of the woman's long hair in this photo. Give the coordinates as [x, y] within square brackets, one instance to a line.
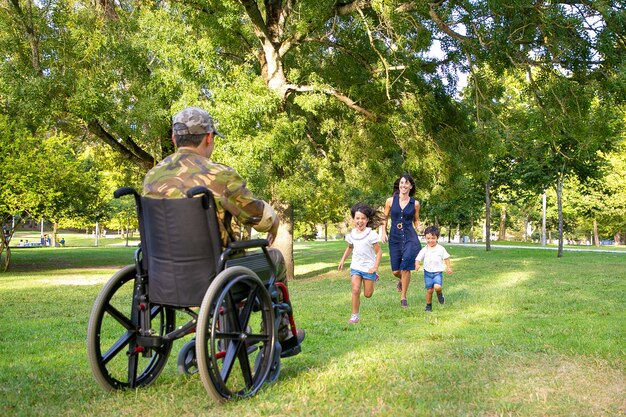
[407, 177]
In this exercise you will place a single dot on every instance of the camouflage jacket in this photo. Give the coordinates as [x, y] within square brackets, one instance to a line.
[174, 175]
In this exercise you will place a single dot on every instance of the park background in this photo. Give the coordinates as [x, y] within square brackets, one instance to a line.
[509, 116]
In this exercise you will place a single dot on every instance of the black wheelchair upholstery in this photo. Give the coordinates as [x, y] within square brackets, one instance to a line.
[182, 248]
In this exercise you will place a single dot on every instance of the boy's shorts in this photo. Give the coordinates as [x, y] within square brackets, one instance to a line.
[432, 278]
[364, 275]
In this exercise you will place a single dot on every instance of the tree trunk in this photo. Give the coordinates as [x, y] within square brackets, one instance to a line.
[284, 240]
[596, 237]
[543, 218]
[4, 249]
[559, 200]
[525, 228]
[6, 262]
[55, 230]
[488, 215]
[502, 234]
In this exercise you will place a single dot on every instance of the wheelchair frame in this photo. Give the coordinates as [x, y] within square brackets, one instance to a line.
[235, 349]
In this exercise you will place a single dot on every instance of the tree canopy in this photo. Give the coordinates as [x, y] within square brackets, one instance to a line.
[323, 102]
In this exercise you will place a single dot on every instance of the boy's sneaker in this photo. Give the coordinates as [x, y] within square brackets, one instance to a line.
[429, 307]
[440, 298]
[403, 303]
[354, 319]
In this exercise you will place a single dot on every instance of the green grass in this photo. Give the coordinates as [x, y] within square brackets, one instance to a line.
[522, 333]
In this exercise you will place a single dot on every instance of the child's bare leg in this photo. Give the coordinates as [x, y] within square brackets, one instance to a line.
[397, 274]
[438, 288]
[356, 293]
[368, 288]
[429, 296]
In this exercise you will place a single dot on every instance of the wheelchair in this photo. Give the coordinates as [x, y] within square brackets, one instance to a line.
[180, 265]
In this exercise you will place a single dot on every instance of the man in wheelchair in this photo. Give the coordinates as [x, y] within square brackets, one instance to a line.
[193, 133]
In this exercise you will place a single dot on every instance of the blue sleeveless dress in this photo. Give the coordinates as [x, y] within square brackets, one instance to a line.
[404, 245]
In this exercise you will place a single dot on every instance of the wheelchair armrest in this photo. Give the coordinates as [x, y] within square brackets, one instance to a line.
[120, 192]
[246, 244]
[198, 189]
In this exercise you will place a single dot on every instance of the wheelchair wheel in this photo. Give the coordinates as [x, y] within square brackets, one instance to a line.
[236, 335]
[187, 363]
[112, 334]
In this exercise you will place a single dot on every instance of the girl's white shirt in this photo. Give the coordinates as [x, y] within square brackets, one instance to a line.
[432, 258]
[363, 253]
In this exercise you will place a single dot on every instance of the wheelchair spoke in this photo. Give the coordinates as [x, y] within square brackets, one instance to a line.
[244, 363]
[246, 311]
[119, 317]
[234, 325]
[117, 347]
[232, 352]
[132, 370]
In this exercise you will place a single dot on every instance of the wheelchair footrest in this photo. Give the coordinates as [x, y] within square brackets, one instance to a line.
[290, 347]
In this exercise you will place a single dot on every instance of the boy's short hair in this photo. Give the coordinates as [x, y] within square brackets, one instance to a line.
[432, 230]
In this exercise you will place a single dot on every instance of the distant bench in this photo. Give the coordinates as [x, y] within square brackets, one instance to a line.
[29, 245]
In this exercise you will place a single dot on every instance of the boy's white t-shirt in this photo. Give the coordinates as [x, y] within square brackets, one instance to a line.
[363, 254]
[432, 258]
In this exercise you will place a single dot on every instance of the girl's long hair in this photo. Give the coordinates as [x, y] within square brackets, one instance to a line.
[374, 217]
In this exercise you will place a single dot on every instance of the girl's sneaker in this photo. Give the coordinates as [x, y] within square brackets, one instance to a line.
[354, 319]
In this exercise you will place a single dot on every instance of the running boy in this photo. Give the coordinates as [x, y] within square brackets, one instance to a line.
[436, 259]
[363, 240]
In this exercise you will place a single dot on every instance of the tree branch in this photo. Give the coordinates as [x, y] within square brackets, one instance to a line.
[443, 26]
[135, 154]
[332, 92]
[344, 9]
[256, 19]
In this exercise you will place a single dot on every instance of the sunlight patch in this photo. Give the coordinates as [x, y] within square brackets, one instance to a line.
[304, 269]
[547, 381]
[78, 280]
[512, 279]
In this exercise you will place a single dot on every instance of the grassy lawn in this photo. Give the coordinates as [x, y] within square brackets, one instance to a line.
[522, 333]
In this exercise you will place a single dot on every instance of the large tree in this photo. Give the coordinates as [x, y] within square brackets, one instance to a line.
[354, 84]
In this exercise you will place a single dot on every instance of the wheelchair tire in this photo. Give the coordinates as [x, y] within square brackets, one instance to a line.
[112, 333]
[234, 358]
[187, 363]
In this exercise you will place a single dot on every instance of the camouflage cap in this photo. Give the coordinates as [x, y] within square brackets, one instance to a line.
[193, 121]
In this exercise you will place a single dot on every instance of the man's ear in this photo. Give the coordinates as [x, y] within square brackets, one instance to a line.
[174, 140]
[209, 138]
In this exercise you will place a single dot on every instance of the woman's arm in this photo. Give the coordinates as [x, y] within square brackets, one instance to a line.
[416, 218]
[383, 226]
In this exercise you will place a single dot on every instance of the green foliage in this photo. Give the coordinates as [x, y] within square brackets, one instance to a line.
[323, 103]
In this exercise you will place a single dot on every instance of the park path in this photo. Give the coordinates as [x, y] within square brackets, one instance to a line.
[481, 245]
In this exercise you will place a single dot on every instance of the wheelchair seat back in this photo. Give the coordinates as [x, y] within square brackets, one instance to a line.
[181, 248]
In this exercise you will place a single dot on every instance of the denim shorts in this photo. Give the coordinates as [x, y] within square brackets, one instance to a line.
[364, 275]
[432, 278]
